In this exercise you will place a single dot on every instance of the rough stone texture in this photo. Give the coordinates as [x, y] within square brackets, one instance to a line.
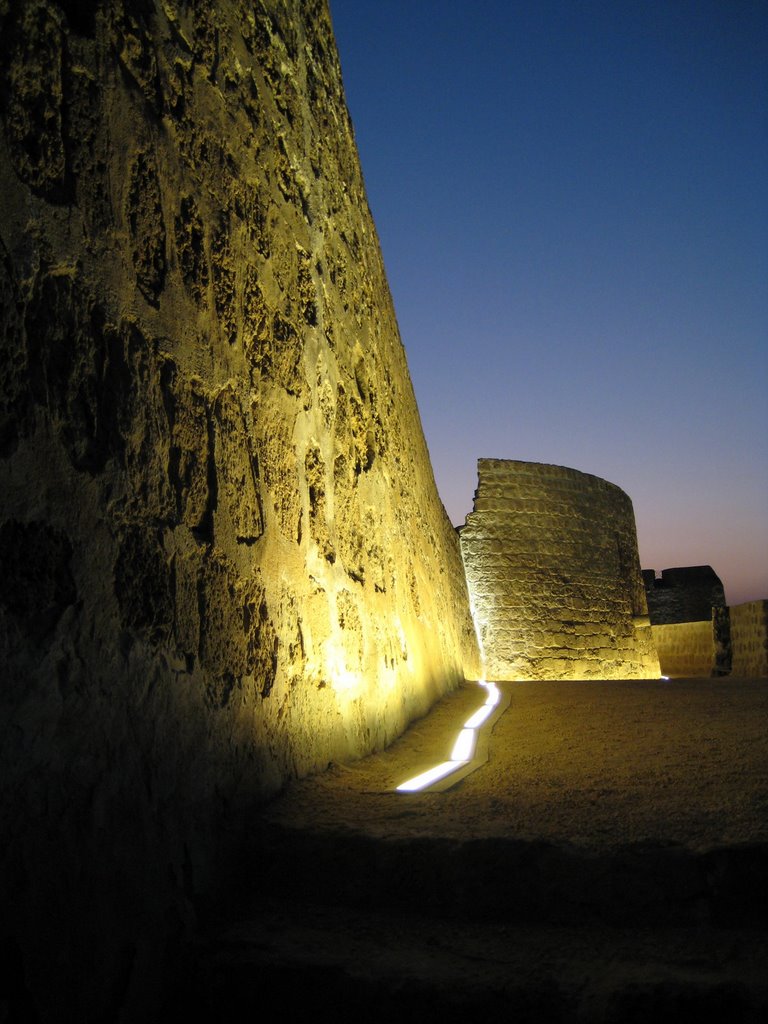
[686, 649]
[553, 575]
[684, 594]
[749, 638]
[224, 561]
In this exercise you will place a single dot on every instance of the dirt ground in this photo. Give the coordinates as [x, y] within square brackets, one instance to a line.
[593, 764]
[605, 864]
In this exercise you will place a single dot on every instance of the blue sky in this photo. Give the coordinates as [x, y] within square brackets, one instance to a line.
[572, 203]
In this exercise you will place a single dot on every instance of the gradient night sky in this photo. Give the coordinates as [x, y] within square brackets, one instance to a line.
[572, 202]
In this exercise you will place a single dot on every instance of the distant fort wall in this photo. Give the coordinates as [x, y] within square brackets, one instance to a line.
[749, 639]
[554, 577]
[685, 649]
[696, 633]
[683, 594]
[689, 620]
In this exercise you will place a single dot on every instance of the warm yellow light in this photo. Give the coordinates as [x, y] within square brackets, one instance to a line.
[344, 681]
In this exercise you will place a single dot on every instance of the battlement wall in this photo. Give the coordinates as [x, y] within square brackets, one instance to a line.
[683, 594]
[553, 574]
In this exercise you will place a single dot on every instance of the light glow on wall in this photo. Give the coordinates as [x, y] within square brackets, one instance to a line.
[344, 681]
[464, 747]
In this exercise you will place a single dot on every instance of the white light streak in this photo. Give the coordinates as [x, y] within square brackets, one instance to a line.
[476, 720]
[427, 778]
[464, 747]
[494, 693]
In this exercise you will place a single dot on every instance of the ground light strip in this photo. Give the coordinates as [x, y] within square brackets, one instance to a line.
[464, 749]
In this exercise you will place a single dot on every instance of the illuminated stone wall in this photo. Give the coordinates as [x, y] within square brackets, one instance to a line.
[224, 560]
[689, 596]
[686, 649]
[749, 639]
[553, 574]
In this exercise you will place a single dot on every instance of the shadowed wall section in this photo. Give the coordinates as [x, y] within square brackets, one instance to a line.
[554, 577]
[683, 594]
[224, 559]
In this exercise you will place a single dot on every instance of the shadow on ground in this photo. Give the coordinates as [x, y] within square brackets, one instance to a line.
[608, 863]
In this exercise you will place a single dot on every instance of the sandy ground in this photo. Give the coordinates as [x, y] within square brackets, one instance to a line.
[373, 908]
[593, 764]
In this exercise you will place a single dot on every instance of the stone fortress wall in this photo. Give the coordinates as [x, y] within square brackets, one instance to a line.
[683, 594]
[224, 559]
[689, 621]
[554, 576]
[686, 650]
[749, 639]
[696, 634]
[202, 360]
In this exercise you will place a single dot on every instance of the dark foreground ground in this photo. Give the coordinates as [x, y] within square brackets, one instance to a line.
[608, 863]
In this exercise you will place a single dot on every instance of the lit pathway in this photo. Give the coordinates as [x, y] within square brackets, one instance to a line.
[601, 764]
[470, 750]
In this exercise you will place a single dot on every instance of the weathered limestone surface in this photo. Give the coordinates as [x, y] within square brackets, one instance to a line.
[749, 639]
[683, 594]
[224, 560]
[686, 649]
[553, 575]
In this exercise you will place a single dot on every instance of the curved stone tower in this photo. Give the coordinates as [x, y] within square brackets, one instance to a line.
[224, 559]
[554, 575]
